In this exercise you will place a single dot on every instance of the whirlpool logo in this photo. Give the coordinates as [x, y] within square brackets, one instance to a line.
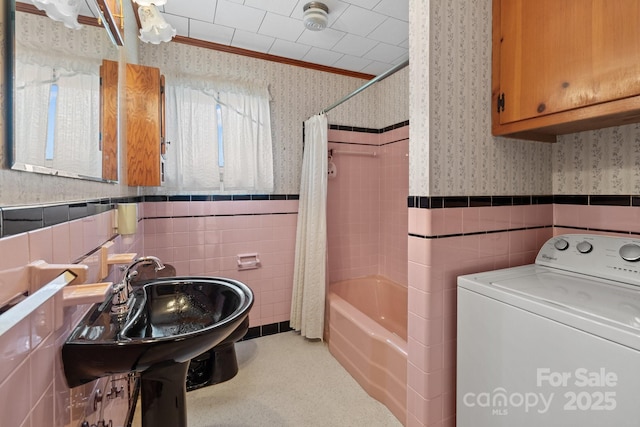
[548, 257]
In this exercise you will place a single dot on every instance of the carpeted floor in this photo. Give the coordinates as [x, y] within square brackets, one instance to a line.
[285, 380]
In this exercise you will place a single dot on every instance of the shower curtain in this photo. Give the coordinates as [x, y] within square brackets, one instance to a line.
[309, 276]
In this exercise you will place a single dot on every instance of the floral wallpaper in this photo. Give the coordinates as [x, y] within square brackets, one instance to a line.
[451, 110]
[604, 161]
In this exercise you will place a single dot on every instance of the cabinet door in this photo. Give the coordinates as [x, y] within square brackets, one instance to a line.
[109, 119]
[558, 55]
[143, 125]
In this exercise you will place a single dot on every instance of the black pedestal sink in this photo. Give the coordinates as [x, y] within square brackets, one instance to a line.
[170, 321]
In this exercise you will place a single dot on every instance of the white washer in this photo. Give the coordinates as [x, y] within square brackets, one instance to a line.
[555, 343]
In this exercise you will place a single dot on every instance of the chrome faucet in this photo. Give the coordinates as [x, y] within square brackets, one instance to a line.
[121, 293]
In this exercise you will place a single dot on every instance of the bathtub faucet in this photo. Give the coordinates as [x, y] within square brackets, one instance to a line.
[121, 294]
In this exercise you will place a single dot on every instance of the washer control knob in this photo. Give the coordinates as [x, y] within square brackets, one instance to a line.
[584, 247]
[630, 252]
[561, 244]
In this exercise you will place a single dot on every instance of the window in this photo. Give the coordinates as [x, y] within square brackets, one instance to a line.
[220, 137]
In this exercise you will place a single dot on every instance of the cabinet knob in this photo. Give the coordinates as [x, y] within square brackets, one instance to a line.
[541, 107]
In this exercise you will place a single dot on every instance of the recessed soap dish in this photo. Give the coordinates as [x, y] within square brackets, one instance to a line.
[248, 261]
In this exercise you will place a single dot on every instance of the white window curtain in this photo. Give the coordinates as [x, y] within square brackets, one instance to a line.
[76, 135]
[192, 128]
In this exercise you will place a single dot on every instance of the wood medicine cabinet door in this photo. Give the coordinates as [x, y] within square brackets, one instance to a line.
[144, 121]
[109, 119]
[557, 56]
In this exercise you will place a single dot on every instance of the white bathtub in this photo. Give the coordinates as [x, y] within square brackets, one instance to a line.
[368, 336]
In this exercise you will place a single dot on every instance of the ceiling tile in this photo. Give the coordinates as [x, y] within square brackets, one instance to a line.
[281, 7]
[322, 56]
[367, 4]
[376, 68]
[281, 27]
[180, 23]
[352, 63]
[359, 21]
[252, 41]
[394, 8]
[84, 10]
[210, 32]
[239, 16]
[385, 52]
[354, 45]
[289, 49]
[323, 39]
[203, 10]
[401, 59]
[392, 31]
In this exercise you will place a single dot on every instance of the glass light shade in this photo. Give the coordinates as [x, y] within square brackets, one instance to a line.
[315, 16]
[154, 28]
[150, 2]
[315, 19]
[65, 11]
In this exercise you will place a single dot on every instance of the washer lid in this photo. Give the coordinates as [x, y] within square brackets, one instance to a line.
[605, 308]
[604, 300]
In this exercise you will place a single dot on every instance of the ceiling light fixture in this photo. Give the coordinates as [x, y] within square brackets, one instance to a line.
[65, 11]
[154, 27]
[315, 16]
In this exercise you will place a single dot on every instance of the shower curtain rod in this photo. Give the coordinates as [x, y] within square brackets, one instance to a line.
[369, 83]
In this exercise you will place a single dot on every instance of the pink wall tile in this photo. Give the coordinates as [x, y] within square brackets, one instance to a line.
[42, 367]
[43, 412]
[15, 251]
[61, 238]
[76, 239]
[180, 208]
[41, 244]
[15, 395]
[209, 245]
[90, 234]
[15, 346]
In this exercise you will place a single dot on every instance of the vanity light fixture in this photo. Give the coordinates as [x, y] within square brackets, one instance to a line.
[315, 16]
[65, 11]
[154, 29]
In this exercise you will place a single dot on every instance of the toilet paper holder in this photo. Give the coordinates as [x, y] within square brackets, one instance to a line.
[248, 261]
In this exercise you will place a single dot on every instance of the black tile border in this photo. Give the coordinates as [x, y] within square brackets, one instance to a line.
[269, 329]
[438, 202]
[476, 233]
[369, 130]
[20, 219]
[601, 230]
[217, 197]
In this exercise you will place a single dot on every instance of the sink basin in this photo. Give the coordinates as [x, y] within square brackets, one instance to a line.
[171, 320]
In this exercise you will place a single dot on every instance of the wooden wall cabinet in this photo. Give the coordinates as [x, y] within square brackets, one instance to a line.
[145, 109]
[564, 66]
